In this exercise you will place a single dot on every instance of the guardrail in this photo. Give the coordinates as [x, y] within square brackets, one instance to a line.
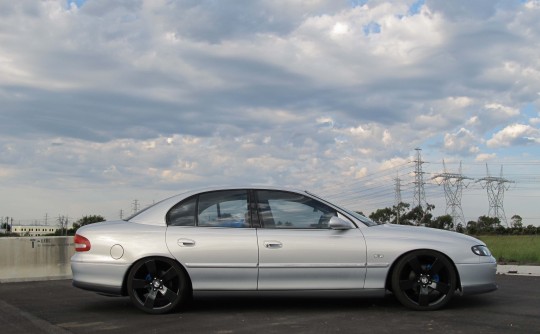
[35, 258]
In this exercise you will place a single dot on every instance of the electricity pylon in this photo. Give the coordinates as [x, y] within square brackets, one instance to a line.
[398, 197]
[419, 191]
[495, 189]
[453, 190]
[135, 206]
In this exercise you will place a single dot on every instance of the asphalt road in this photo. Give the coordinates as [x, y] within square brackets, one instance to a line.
[57, 307]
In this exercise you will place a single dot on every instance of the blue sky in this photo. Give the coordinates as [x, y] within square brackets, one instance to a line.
[105, 102]
[78, 3]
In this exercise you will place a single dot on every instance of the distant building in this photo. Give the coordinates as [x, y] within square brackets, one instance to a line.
[33, 230]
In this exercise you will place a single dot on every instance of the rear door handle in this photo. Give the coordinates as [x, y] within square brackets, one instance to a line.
[186, 242]
[272, 244]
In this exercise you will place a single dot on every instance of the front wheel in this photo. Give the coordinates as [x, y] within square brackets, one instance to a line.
[424, 280]
[157, 285]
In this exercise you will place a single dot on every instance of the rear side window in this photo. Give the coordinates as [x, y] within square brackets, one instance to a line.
[183, 213]
[213, 209]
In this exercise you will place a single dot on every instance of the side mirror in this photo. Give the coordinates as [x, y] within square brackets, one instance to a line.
[337, 223]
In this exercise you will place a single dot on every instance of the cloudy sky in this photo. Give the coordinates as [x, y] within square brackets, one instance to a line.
[107, 102]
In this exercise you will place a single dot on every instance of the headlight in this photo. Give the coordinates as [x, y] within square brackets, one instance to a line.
[481, 250]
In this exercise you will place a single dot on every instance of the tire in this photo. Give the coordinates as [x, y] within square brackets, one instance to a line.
[424, 280]
[158, 285]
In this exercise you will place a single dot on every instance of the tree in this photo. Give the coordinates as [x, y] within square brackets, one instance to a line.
[516, 222]
[472, 227]
[530, 229]
[488, 224]
[385, 215]
[419, 216]
[63, 221]
[85, 220]
[444, 222]
[390, 215]
[400, 210]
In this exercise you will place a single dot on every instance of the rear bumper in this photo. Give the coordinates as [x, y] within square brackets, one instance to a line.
[99, 288]
[98, 277]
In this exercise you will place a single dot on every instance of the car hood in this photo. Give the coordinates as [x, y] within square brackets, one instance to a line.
[423, 233]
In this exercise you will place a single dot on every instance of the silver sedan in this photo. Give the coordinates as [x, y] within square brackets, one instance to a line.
[273, 239]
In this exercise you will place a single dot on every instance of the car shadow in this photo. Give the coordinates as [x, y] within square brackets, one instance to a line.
[214, 303]
[208, 302]
[217, 303]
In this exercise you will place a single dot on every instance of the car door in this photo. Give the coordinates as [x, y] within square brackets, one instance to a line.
[298, 250]
[211, 235]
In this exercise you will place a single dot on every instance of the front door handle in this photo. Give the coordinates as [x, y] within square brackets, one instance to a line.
[272, 244]
[186, 242]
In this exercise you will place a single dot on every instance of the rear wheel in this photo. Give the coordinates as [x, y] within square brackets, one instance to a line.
[157, 285]
[424, 280]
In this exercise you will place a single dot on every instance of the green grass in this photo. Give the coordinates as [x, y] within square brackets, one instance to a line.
[520, 249]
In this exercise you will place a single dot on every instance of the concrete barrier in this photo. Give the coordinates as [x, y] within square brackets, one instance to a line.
[35, 258]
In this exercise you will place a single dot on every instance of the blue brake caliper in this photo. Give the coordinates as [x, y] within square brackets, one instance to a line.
[435, 277]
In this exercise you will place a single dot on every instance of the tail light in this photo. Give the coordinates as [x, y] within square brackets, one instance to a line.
[81, 243]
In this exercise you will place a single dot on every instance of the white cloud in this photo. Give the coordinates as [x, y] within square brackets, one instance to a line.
[484, 157]
[502, 111]
[165, 95]
[473, 121]
[463, 142]
[461, 101]
[340, 28]
[387, 138]
[514, 134]
[393, 162]
[532, 4]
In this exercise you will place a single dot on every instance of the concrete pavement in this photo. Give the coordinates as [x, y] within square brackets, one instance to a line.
[57, 307]
[518, 270]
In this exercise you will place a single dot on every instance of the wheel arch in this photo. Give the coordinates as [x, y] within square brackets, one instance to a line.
[126, 274]
[388, 281]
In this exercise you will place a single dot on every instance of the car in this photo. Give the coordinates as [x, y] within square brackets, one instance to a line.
[272, 239]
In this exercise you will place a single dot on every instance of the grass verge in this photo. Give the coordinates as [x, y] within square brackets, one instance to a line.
[519, 249]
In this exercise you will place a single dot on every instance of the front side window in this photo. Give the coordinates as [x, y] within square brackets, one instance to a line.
[286, 210]
[224, 209]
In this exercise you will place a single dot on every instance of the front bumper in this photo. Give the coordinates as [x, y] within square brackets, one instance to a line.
[477, 278]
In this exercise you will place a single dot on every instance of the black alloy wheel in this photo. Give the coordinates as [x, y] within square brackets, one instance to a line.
[424, 280]
[157, 285]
